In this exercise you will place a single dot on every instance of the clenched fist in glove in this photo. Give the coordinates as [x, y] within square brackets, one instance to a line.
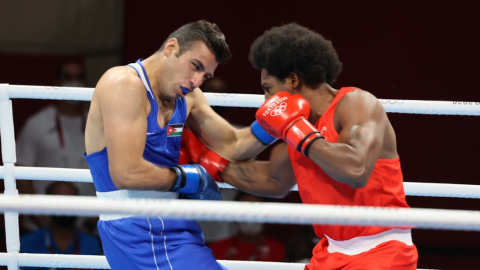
[199, 153]
[285, 116]
[193, 182]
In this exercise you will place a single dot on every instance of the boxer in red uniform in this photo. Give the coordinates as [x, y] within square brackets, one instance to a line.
[341, 150]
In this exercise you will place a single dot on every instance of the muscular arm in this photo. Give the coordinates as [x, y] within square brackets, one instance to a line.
[229, 142]
[273, 178]
[122, 102]
[363, 124]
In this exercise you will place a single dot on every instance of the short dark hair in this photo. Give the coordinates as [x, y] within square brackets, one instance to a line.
[204, 31]
[294, 48]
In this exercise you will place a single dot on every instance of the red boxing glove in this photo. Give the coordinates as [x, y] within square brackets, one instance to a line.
[201, 154]
[184, 158]
[285, 116]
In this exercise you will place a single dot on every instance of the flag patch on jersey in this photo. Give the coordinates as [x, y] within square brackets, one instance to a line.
[175, 130]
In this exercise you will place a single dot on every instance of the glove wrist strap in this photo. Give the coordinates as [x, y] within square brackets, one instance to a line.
[187, 181]
[308, 142]
[261, 134]
[301, 134]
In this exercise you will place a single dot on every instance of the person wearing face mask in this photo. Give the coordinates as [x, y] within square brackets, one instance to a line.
[61, 236]
[54, 137]
[250, 243]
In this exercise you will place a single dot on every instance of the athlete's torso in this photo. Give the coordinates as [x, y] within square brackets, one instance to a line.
[162, 144]
[384, 188]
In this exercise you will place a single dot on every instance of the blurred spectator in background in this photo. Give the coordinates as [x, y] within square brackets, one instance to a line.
[299, 248]
[250, 243]
[54, 137]
[61, 235]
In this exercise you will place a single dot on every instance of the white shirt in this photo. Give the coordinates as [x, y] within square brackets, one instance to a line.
[39, 145]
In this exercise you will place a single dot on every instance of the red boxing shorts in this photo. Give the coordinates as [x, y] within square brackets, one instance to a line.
[359, 254]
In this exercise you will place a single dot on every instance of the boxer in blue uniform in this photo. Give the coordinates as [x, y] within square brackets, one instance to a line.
[133, 138]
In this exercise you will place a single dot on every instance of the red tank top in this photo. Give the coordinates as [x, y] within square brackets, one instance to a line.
[384, 188]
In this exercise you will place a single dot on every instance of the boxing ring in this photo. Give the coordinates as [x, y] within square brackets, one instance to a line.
[14, 204]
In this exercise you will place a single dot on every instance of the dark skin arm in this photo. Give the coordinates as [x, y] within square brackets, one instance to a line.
[227, 141]
[363, 123]
[273, 178]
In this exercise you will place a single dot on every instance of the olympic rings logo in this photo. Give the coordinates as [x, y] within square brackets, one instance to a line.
[224, 95]
[392, 101]
[279, 109]
[56, 87]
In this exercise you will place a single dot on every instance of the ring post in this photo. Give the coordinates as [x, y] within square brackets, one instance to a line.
[12, 231]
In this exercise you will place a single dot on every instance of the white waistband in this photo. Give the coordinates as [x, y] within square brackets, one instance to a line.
[361, 244]
[132, 194]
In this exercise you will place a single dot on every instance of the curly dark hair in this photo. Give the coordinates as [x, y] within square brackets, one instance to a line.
[294, 48]
[204, 31]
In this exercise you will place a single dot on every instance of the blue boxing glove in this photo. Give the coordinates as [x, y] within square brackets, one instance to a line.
[194, 182]
[261, 134]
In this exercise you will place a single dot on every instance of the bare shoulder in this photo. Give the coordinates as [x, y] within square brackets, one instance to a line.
[358, 96]
[194, 95]
[120, 83]
[359, 101]
[119, 79]
[195, 99]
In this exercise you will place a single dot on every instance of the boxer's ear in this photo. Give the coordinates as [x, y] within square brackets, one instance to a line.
[294, 79]
[171, 47]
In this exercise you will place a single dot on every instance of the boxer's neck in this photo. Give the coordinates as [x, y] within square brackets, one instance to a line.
[152, 68]
[320, 99]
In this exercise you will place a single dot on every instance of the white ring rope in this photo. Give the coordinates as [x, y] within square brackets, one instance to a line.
[424, 189]
[83, 175]
[58, 260]
[251, 100]
[100, 262]
[13, 204]
[53, 174]
[288, 213]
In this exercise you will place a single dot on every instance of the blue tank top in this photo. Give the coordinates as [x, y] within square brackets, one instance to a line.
[162, 146]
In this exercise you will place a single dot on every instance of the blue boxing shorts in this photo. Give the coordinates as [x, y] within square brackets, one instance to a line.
[155, 243]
